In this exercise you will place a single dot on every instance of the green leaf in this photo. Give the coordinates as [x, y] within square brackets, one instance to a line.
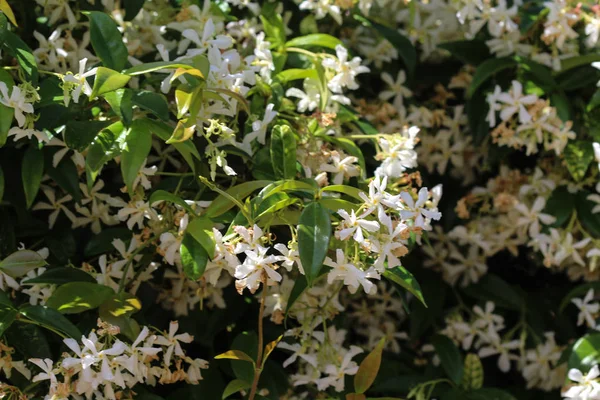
[61, 275]
[21, 262]
[589, 220]
[314, 232]
[76, 297]
[473, 375]
[315, 39]
[163, 195]
[288, 186]
[49, 318]
[578, 154]
[345, 189]
[32, 172]
[222, 204]
[65, 174]
[561, 205]
[494, 289]
[155, 66]
[578, 61]
[121, 103]
[486, 70]
[405, 48]
[153, 102]
[193, 257]
[105, 147]
[201, 229]
[106, 40]
[489, 394]
[8, 315]
[80, 134]
[187, 149]
[102, 242]
[235, 386]
[450, 357]
[7, 13]
[24, 56]
[283, 152]
[585, 353]
[369, 368]
[1, 183]
[468, 51]
[107, 81]
[337, 204]
[235, 355]
[293, 74]
[400, 276]
[137, 145]
[132, 8]
[120, 305]
[6, 113]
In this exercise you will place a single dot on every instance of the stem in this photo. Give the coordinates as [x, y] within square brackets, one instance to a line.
[223, 193]
[259, 360]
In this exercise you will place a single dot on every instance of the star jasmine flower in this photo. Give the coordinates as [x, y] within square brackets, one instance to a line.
[342, 168]
[16, 101]
[172, 341]
[396, 89]
[586, 387]
[346, 71]
[353, 225]
[515, 102]
[416, 211]
[587, 309]
[73, 85]
[352, 276]
[259, 128]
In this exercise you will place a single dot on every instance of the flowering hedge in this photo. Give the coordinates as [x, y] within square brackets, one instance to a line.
[243, 199]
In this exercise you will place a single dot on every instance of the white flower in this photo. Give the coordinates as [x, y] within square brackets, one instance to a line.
[342, 168]
[142, 176]
[346, 71]
[172, 341]
[337, 373]
[586, 309]
[353, 225]
[416, 211]
[352, 276]
[48, 374]
[250, 272]
[515, 102]
[259, 128]
[309, 99]
[532, 217]
[56, 206]
[396, 89]
[170, 244]
[73, 85]
[587, 388]
[16, 101]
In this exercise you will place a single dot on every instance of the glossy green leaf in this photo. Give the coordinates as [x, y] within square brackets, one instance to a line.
[488, 69]
[585, 353]
[76, 297]
[337, 204]
[406, 50]
[162, 195]
[193, 257]
[154, 66]
[153, 102]
[401, 276]
[222, 204]
[187, 149]
[561, 205]
[120, 305]
[24, 56]
[235, 355]
[32, 172]
[21, 262]
[106, 40]
[492, 288]
[80, 134]
[345, 189]
[6, 113]
[315, 40]
[105, 147]
[296, 73]
[578, 154]
[132, 9]
[283, 152]
[450, 357]
[8, 315]
[51, 319]
[121, 103]
[577, 61]
[135, 150]
[107, 81]
[589, 220]
[473, 376]
[369, 368]
[314, 232]
[201, 229]
[472, 52]
[235, 386]
[61, 275]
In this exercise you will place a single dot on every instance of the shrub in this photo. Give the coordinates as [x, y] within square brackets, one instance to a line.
[235, 198]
